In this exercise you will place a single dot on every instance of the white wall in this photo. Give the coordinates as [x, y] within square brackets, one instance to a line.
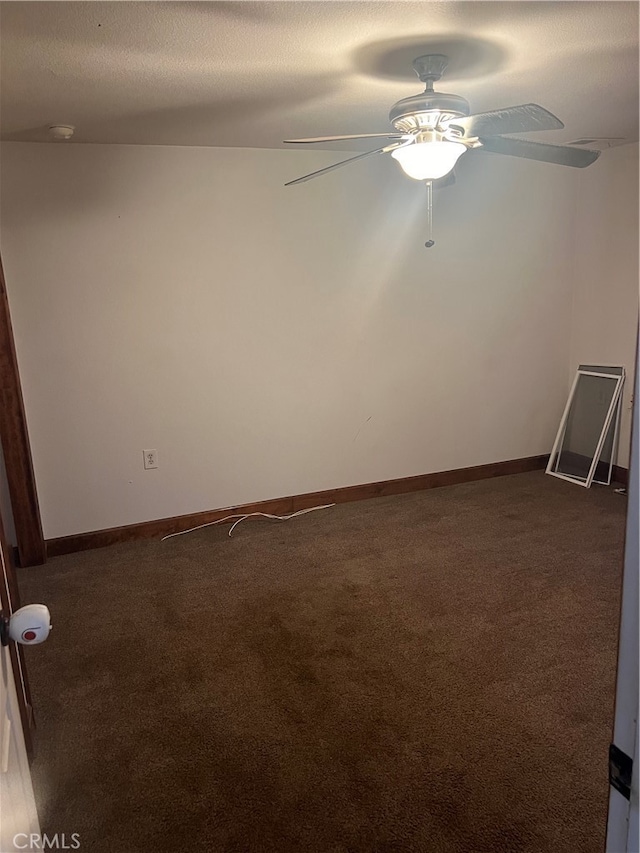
[269, 340]
[605, 304]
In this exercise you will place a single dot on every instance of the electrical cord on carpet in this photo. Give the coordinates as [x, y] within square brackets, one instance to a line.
[242, 517]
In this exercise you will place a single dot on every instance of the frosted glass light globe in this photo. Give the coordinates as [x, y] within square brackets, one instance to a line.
[428, 161]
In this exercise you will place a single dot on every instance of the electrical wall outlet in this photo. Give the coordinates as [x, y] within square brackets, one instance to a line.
[150, 458]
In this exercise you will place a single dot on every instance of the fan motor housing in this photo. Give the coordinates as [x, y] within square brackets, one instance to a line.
[426, 111]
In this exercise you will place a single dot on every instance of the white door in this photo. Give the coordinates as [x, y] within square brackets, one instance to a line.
[19, 828]
[622, 827]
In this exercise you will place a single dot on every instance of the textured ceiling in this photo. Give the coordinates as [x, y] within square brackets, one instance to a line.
[251, 74]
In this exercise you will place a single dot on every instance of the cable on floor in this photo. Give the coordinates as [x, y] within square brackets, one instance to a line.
[242, 517]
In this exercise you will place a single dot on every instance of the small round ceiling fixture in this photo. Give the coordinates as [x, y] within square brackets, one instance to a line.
[61, 131]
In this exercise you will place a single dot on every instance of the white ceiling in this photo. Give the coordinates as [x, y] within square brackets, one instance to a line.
[251, 74]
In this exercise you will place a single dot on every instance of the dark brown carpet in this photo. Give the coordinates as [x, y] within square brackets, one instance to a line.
[431, 672]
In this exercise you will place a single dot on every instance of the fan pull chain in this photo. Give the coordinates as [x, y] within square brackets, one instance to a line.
[430, 241]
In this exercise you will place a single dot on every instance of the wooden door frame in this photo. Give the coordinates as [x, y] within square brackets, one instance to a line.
[14, 439]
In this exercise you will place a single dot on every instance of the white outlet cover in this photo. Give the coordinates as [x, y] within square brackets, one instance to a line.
[150, 458]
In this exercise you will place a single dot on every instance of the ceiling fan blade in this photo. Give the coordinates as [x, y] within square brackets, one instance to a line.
[521, 119]
[388, 135]
[563, 155]
[342, 163]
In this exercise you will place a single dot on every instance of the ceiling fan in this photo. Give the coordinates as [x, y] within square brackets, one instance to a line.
[434, 129]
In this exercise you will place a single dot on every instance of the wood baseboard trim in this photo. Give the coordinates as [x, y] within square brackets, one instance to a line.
[284, 506]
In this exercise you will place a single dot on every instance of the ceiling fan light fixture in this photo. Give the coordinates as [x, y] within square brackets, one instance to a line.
[428, 161]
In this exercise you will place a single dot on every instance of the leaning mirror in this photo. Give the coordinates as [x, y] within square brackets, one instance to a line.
[585, 445]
